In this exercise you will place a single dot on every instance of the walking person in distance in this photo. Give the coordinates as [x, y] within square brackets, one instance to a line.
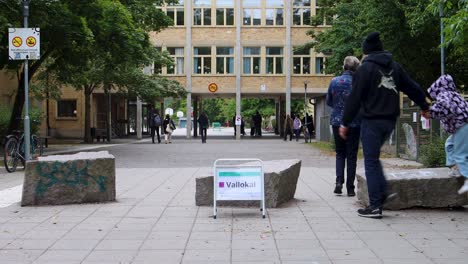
[169, 128]
[154, 123]
[297, 125]
[203, 122]
[346, 150]
[288, 127]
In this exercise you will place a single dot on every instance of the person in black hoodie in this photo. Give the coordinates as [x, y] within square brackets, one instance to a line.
[375, 95]
[203, 121]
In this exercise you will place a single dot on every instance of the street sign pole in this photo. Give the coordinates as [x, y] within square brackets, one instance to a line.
[27, 131]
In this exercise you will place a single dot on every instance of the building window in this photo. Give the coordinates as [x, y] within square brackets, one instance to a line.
[176, 13]
[66, 108]
[177, 54]
[274, 13]
[225, 60]
[202, 60]
[301, 12]
[252, 12]
[202, 12]
[319, 65]
[323, 14]
[251, 60]
[224, 12]
[301, 61]
[274, 60]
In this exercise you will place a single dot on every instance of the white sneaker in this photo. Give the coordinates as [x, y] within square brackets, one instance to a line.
[464, 188]
[454, 172]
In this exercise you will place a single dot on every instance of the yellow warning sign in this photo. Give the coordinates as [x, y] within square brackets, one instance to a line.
[31, 41]
[17, 41]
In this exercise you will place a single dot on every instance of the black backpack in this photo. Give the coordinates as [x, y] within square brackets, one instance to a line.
[157, 120]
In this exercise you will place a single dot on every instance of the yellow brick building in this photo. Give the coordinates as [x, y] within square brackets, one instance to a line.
[246, 48]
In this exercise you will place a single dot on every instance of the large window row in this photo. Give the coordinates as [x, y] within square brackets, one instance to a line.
[255, 61]
[254, 13]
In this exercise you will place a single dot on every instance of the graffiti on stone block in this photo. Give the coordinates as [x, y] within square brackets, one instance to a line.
[72, 174]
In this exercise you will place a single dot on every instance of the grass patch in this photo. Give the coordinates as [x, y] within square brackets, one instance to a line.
[328, 148]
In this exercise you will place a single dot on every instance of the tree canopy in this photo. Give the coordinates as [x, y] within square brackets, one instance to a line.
[89, 44]
[409, 30]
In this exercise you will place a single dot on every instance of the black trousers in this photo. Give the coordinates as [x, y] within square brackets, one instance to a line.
[346, 152]
[287, 132]
[153, 129]
[203, 134]
[258, 129]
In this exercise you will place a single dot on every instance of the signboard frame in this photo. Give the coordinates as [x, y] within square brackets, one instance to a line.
[227, 166]
[24, 50]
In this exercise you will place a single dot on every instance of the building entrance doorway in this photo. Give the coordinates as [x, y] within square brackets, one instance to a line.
[132, 117]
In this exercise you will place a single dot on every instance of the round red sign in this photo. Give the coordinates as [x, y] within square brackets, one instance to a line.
[213, 87]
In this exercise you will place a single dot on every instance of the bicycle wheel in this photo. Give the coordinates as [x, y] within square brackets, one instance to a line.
[10, 158]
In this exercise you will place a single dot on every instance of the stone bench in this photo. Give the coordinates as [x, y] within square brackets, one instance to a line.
[431, 188]
[85, 177]
[281, 178]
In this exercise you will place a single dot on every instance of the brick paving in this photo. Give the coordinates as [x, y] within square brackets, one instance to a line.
[155, 220]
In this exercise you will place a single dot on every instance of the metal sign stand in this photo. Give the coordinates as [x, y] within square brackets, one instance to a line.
[250, 173]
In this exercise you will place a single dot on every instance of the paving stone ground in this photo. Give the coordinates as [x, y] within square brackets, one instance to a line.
[155, 219]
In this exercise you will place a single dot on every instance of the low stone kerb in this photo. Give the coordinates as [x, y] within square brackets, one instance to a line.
[85, 177]
[281, 178]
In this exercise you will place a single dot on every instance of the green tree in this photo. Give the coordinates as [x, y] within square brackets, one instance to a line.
[61, 30]
[455, 35]
[408, 31]
[97, 43]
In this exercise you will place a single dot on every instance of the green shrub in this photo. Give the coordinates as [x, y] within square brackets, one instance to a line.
[36, 116]
[433, 154]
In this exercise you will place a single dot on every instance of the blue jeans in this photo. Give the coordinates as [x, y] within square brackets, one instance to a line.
[456, 149]
[346, 152]
[374, 132]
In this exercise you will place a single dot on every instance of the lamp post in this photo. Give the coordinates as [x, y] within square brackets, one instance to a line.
[305, 110]
[442, 49]
[27, 131]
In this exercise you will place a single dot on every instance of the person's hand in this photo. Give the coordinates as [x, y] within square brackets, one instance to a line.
[343, 132]
[426, 114]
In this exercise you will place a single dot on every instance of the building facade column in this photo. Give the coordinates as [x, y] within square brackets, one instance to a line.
[139, 124]
[188, 65]
[238, 21]
[278, 116]
[195, 116]
[288, 55]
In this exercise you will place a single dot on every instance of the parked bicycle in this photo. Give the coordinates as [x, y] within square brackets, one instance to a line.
[14, 150]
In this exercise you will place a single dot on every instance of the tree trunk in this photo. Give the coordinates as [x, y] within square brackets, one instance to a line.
[16, 113]
[109, 109]
[87, 92]
[15, 118]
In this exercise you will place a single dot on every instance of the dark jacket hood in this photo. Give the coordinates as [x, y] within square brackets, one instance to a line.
[382, 58]
[445, 83]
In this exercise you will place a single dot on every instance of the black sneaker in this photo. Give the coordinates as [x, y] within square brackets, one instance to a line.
[338, 188]
[370, 212]
[351, 193]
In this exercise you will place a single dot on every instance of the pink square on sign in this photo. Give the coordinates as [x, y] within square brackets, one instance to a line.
[221, 185]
